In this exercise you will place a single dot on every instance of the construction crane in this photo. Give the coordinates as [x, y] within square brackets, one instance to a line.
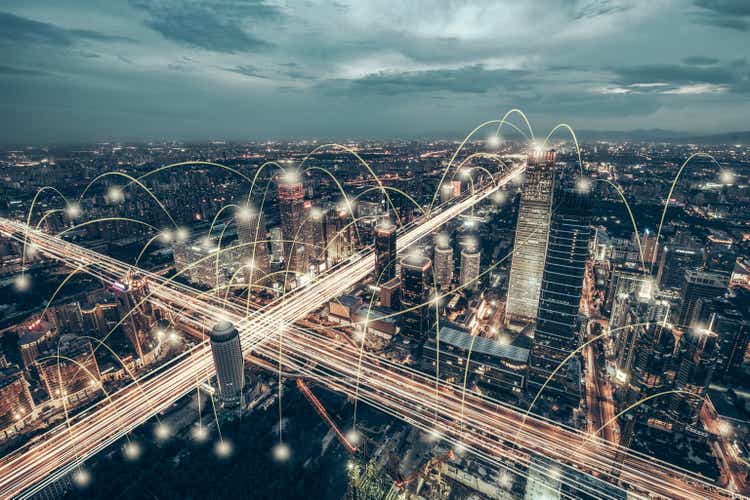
[420, 471]
[304, 389]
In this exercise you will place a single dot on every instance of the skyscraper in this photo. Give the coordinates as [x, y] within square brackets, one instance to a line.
[251, 234]
[228, 361]
[470, 263]
[291, 214]
[532, 230]
[385, 251]
[697, 285]
[557, 322]
[314, 234]
[443, 261]
[415, 288]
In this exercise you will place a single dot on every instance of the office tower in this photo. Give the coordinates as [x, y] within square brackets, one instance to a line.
[339, 234]
[389, 293]
[470, 265]
[532, 231]
[653, 358]
[314, 235]
[15, 398]
[138, 313]
[416, 281]
[697, 356]
[230, 372]
[277, 245]
[291, 215]
[78, 370]
[675, 260]
[698, 284]
[251, 235]
[443, 261]
[385, 251]
[557, 323]
[729, 319]
[446, 193]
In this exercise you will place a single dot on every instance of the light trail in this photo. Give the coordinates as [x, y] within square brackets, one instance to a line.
[489, 432]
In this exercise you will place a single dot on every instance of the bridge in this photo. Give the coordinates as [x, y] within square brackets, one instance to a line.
[497, 433]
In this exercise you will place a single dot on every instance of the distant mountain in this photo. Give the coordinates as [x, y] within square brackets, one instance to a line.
[661, 135]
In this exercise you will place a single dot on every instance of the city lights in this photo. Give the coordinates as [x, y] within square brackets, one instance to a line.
[281, 452]
[132, 450]
[115, 194]
[223, 448]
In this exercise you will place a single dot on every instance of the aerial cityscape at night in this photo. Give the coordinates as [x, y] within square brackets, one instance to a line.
[480, 250]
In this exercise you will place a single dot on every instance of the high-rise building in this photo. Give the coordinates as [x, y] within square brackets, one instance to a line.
[697, 356]
[77, 370]
[385, 251]
[532, 231]
[15, 398]
[339, 234]
[416, 281]
[470, 265]
[697, 285]
[443, 261]
[291, 214]
[557, 323]
[314, 234]
[675, 260]
[251, 235]
[229, 363]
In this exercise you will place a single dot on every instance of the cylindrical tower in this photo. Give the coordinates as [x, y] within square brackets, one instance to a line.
[227, 354]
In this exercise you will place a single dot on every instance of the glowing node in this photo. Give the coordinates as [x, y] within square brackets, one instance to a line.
[464, 173]
[493, 141]
[73, 210]
[31, 250]
[162, 432]
[82, 478]
[115, 194]
[499, 197]
[349, 465]
[353, 436]
[727, 177]
[182, 233]
[725, 428]
[174, 337]
[166, 236]
[505, 480]
[223, 448]
[583, 185]
[132, 451]
[22, 282]
[244, 213]
[199, 433]
[281, 452]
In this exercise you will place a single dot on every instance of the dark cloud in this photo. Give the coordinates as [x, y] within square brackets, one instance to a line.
[731, 14]
[218, 26]
[595, 8]
[474, 79]
[675, 74]
[700, 61]
[13, 71]
[20, 30]
[247, 70]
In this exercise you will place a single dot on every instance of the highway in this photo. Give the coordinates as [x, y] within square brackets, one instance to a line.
[489, 429]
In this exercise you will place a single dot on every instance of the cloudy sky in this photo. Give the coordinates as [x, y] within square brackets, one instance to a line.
[84, 70]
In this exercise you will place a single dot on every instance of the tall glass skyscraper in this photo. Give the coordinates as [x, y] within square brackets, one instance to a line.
[291, 214]
[416, 282]
[385, 251]
[251, 228]
[557, 323]
[532, 230]
[227, 353]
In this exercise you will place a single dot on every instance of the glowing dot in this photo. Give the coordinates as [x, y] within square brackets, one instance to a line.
[223, 448]
[353, 436]
[174, 337]
[244, 213]
[162, 432]
[22, 282]
[499, 197]
[281, 452]
[73, 210]
[166, 236]
[583, 185]
[725, 428]
[290, 176]
[505, 480]
[132, 451]
[349, 465]
[31, 250]
[200, 433]
[493, 141]
[182, 233]
[727, 177]
[82, 478]
[115, 194]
